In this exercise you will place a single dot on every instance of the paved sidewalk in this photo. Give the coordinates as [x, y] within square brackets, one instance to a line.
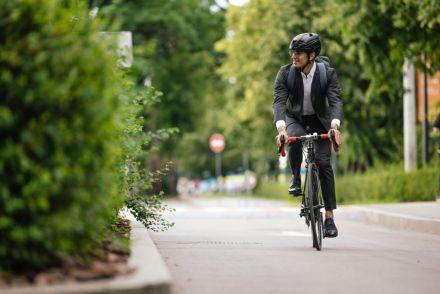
[418, 216]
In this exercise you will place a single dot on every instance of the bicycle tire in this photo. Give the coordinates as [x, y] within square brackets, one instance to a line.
[313, 202]
[319, 204]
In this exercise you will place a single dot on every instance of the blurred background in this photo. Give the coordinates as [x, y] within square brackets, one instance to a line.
[215, 63]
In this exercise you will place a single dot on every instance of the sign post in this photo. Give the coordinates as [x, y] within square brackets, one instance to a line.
[217, 145]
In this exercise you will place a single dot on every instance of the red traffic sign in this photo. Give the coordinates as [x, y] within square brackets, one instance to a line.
[217, 143]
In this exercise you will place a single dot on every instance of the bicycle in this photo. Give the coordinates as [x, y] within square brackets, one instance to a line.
[312, 201]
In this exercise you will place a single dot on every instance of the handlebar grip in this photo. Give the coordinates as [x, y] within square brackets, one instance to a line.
[292, 139]
[282, 149]
[332, 139]
[334, 143]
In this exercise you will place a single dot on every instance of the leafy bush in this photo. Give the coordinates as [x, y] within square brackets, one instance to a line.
[386, 185]
[58, 152]
[137, 180]
[274, 190]
[389, 185]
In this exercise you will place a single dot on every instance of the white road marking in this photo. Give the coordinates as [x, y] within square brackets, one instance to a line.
[235, 209]
[293, 234]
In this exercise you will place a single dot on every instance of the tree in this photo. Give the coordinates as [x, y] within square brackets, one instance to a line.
[255, 47]
[366, 41]
[174, 41]
[371, 79]
[416, 30]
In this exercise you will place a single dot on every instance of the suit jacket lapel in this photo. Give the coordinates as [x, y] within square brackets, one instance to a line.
[300, 88]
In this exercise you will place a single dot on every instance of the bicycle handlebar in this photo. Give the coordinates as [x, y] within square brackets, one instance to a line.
[315, 136]
[308, 137]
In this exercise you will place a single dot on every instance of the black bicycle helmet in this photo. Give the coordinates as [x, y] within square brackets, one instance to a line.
[306, 42]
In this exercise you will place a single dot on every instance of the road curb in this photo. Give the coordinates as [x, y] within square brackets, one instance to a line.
[151, 275]
[401, 221]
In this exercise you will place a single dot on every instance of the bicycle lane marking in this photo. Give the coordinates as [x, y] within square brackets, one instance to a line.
[293, 234]
[209, 209]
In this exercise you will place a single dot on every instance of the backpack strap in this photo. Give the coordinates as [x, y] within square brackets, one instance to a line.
[291, 78]
[322, 77]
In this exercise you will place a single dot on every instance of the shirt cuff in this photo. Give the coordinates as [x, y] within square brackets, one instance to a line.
[280, 123]
[336, 121]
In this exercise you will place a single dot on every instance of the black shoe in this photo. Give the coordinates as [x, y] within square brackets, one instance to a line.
[330, 229]
[295, 187]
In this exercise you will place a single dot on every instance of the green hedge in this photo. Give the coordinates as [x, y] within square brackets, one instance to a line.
[58, 151]
[388, 185]
[274, 190]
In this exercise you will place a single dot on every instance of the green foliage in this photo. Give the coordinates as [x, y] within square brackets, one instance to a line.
[371, 79]
[385, 185]
[173, 46]
[416, 25]
[179, 36]
[388, 185]
[254, 51]
[58, 152]
[366, 41]
[274, 190]
[375, 37]
[137, 180]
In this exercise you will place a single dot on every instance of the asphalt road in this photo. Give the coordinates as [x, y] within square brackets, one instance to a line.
[251, 246]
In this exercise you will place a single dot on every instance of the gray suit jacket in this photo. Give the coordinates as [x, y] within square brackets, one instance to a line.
[285, 103]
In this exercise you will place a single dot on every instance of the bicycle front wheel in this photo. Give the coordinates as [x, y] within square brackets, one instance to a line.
[314, 205]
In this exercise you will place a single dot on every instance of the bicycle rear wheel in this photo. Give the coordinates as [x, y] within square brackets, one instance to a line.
[314, 202]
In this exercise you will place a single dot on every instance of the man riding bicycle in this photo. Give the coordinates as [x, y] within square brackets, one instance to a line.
[306, 105]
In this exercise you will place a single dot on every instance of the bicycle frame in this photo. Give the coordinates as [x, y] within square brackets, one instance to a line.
[309, 146]
[310, 206]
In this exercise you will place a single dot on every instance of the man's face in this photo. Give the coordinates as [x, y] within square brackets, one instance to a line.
[299, 59]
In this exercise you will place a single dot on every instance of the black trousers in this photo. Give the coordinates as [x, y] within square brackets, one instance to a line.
[322, 152]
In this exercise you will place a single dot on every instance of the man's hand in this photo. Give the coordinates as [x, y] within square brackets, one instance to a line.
[334, 125]
[336, 138]
[281, 132]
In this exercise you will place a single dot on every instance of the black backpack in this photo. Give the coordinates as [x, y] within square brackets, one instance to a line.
[322, 62]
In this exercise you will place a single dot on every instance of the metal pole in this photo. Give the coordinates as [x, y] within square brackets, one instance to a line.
[409, 116]
[245, 161]
[218, 165]
[246, 171]
[425, 114]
